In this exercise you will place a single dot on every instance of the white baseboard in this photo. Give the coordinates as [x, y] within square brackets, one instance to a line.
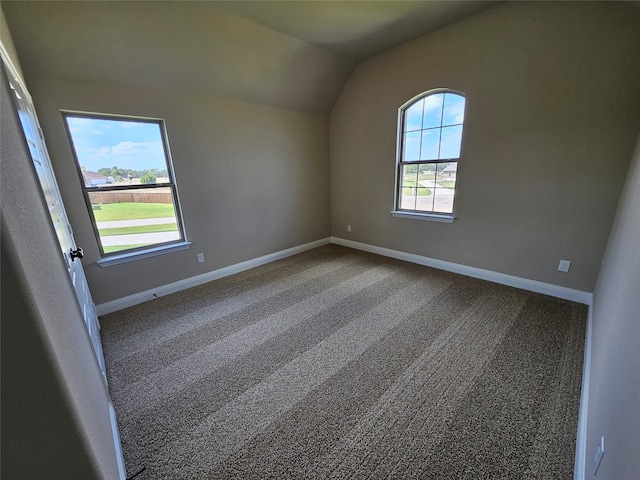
[122, 471]
[557, 291]
[579, 468]
[163, 290]
[504, 279]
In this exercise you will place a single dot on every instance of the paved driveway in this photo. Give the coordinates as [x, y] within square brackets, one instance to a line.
[441, 196]
[138, 238]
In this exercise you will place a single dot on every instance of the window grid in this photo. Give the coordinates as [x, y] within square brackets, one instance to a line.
[435, 198]
[136, 228]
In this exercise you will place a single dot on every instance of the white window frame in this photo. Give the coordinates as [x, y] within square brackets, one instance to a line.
[123, 256]
[416, 214]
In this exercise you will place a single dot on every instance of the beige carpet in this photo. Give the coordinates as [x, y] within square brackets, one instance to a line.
[341, 364]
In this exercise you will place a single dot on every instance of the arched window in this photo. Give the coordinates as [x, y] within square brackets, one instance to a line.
[429, 144]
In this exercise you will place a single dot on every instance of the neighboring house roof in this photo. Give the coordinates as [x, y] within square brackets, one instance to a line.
[93, 176]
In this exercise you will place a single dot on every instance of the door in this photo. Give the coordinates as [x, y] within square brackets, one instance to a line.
[71, 253]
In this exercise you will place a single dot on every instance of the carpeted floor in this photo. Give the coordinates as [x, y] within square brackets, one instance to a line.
[341, 364]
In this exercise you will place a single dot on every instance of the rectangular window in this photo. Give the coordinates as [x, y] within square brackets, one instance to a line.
[127, 179]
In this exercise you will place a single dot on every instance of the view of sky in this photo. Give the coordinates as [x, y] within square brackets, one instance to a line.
[105, 143]
[433, 127]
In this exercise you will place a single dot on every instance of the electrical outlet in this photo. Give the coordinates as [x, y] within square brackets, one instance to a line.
[564, 265]
[349, 228]
[201, 258]
[598, 458]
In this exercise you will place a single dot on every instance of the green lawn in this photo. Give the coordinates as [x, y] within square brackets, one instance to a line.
[118, 248]
[165, 227]
[129, 211]
[447, 184]
[407, 190]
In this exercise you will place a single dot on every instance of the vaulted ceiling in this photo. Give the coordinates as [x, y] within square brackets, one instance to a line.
[288, 54]
[355, 29]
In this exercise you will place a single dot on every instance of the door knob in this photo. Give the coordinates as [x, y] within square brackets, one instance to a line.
[77, 253]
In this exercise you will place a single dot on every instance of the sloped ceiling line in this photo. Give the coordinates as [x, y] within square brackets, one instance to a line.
[294, 55]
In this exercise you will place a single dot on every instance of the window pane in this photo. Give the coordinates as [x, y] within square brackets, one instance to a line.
[413, 116]
[423, 191]
[433, 111]
[424, 200]
[446, 175]
[453, 109]
[451, 140]
[411, 146]
[408, 202]
[409, 181]
[134, 218]
[430, 144]
[443, 200]
[409, 175]
[112, 151]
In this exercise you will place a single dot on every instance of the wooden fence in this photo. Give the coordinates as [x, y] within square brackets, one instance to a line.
[138, 196]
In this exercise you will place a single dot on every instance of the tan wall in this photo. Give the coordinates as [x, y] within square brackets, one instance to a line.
[552, 113]
[252, 179]
[614, 393]
[7, 43]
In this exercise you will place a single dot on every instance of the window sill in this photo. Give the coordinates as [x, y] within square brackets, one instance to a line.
[150, 252]
[429, 217]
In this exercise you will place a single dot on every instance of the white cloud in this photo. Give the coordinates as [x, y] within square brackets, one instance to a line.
[129, 148]
[432, 102]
